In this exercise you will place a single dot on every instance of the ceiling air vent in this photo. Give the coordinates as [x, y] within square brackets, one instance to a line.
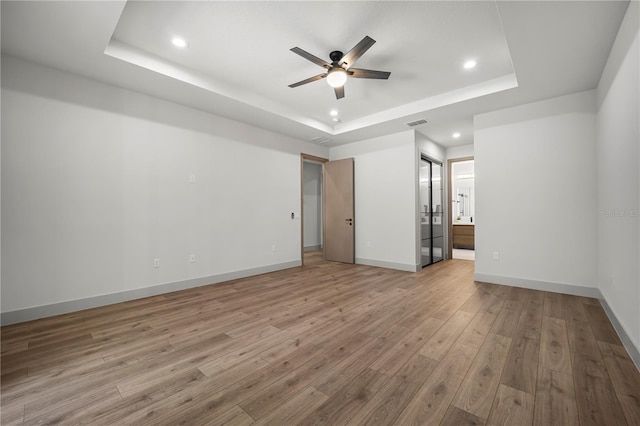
[417, 122]
[320, 139]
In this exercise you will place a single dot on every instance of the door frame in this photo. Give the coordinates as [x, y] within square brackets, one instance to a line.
[450, 201]
[315, 159]
[431, 161]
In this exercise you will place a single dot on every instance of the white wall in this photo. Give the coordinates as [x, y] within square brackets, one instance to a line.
[312, 204]
[459, 152]
[535, 176]
[95, 185]
[429, 148]
[385, 199]
[618, 178]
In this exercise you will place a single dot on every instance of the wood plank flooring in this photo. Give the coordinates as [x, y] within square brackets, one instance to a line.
[330, 344]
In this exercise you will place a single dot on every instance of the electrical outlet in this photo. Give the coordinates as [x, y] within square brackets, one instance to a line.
[368, 243]
[273, 248]
[156, 263]
[192, 258]
[192, 178]
[496, 255]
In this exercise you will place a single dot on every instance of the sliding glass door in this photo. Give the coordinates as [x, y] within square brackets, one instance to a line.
[431, 214]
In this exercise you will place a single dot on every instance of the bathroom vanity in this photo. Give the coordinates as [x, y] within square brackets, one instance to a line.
[464, 236]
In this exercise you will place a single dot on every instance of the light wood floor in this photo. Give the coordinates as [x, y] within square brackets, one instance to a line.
[326, 344]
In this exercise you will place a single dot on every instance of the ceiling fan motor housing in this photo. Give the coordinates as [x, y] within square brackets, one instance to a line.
[335, 56]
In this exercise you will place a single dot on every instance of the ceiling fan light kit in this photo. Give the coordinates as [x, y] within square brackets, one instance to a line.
[336, 77]
[340, 67]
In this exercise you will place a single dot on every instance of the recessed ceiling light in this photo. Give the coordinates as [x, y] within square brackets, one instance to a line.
[469, 64]
[333, 113]
[179, 42]
[456, 135]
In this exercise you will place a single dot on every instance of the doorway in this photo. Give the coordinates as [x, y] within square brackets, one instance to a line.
[461, 198]
[311, 206]
[332, 194]
[431, 211]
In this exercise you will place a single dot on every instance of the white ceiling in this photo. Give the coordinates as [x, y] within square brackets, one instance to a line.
[238, 63]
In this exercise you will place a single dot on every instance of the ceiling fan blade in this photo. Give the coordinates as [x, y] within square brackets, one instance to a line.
[339, 92]
[308, 56]
[358, 50]
[309, 80]
[361, 73]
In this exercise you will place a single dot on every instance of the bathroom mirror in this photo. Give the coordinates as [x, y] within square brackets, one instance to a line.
[463, 202]
[463, 196]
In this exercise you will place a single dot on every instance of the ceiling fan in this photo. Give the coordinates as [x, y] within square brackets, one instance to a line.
[340, 67]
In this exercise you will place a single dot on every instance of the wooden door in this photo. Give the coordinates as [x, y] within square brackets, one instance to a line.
[339, 224]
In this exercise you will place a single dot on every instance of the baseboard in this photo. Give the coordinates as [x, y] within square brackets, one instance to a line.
[388, 265]
[313, 248]
[44, 311]
[629, 345]
[574, 290]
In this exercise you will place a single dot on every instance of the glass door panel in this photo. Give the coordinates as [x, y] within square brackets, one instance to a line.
[425, 211]
[431, 223]
[437, 228]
